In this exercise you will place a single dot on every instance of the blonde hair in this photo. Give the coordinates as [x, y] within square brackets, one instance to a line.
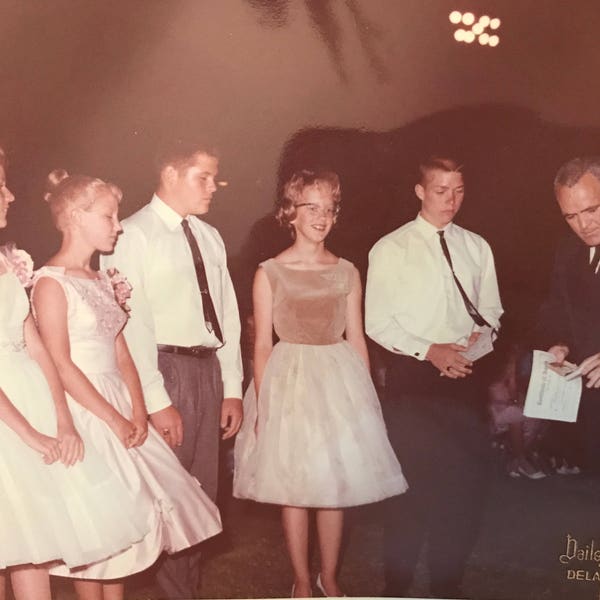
[65, 192]
[437, 163]
[285, 209]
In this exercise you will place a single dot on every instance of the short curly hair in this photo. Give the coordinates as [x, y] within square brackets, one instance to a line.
[285, 209]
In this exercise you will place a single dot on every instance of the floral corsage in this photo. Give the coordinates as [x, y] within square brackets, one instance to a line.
[18, 262]
[121, 287]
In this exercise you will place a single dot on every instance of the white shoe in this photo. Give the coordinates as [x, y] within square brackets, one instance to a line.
[320, 586]
[322, 589]
[524, 467]
[565, 469]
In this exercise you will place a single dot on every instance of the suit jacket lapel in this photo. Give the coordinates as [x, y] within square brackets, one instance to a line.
[584, 299]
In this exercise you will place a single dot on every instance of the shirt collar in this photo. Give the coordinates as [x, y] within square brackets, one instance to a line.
[172, 219]
[428, 229]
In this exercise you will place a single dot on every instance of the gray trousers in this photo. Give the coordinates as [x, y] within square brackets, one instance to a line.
[195, 388]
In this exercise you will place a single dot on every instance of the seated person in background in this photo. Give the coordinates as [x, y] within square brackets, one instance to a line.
[506, 398]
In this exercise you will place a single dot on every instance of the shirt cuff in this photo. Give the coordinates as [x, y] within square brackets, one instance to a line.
[232, 389]
[156, 399]
[417, 350]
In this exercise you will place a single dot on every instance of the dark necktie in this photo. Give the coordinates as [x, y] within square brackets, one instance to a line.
[473, 312]
[595, 259]
[210, 315]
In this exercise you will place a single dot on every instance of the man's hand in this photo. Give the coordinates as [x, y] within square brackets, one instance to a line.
[591, 367]
[560, 352]
[231, 416]
[448, 360]
[168, 424]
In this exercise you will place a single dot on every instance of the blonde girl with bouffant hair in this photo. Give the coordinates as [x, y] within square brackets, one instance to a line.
[52, 512]
[65, 192]
[323, 181]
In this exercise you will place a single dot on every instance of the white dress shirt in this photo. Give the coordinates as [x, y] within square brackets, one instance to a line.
[592, 252]
[411, 298]
[166, 304]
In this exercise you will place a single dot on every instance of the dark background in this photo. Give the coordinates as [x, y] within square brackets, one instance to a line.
[363, 87]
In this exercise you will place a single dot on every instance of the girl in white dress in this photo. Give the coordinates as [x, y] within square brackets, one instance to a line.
[81, 324]
[315, 438]
[58, 505]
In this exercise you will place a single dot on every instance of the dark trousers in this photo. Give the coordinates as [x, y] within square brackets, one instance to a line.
[195, 388]
[437, 430]
[589, 419]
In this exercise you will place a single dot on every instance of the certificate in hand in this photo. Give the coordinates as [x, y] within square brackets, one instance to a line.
[551, 393]
[482, 346]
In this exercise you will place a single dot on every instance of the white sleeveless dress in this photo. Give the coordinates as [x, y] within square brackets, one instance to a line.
[178, 511]
[76, 515]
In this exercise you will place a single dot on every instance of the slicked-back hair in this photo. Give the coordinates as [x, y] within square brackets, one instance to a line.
[436, 163]
[573, 170]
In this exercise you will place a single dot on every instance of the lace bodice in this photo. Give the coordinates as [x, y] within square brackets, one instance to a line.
[14, 308]
[94, 318]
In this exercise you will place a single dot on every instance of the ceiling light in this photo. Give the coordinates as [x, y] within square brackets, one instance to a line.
[468, 18]
[455, 17]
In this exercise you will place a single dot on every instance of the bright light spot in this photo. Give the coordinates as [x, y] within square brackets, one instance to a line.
[455, 17]
[468, 18]
[475, 28]
[459, 35]
[222, 183]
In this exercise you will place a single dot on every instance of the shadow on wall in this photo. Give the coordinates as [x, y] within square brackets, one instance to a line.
[510, 157]
[325, 19]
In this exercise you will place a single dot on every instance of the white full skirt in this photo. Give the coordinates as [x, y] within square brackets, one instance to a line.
[320, 439]
[77, 514]
[176, 508]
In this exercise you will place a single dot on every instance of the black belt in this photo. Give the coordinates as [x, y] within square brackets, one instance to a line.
[196, 351]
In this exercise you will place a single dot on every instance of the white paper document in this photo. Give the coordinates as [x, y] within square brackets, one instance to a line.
[482, 346]
[551, 394]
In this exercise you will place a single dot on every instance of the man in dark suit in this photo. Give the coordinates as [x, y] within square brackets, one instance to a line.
[570, 317]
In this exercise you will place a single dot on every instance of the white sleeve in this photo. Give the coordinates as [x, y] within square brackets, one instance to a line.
[230, 356]
[128, 257]
[489, 304]
[383, 302]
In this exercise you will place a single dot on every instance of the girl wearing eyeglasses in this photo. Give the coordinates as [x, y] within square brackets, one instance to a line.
[313, 436]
